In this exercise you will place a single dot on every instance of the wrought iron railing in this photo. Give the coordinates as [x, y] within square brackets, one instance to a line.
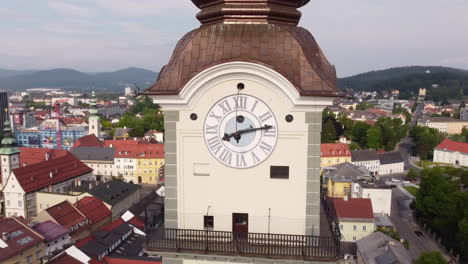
[243, 244]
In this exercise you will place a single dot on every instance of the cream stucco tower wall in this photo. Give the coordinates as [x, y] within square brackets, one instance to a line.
[293, 204]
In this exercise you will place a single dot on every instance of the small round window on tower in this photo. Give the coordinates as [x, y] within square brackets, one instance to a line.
[289, 118]
[240, 86]
[193, 116]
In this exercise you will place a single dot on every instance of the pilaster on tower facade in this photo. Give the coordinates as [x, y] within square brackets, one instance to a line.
[243, 96]
[94, 120]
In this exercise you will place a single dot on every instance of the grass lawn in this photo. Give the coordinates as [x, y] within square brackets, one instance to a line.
[411, 189]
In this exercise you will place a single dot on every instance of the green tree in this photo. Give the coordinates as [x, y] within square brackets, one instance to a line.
[412, 174]
[433, 257]
[329, 134]
[373, 138]
[360, 133]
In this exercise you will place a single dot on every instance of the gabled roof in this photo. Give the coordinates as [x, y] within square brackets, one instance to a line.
[93, 208]
[378, 248]
[20, 238]
[334, 150]
[94, 153]
[136, 149]
[29, 156]
[454, 146]
[64, 258]
[364, 155]
[50, 172]
[357, 208]
[88, 141]
[51, 230]
[66, 214]
[111, 192]
[346, 172]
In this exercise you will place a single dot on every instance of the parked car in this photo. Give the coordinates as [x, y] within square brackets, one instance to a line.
[395, 180]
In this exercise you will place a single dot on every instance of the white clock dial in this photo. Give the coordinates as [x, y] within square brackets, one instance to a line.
[240, 131]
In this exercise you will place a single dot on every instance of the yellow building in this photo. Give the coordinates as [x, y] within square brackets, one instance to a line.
[148, 168]
[338, 179]
[355, 217]
[334, 153]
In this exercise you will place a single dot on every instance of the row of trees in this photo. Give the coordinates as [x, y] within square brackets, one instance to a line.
[425, 140]
[442, 205]
[384, 134]
[143, 116]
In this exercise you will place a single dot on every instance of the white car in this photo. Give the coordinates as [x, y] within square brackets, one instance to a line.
[395, 180]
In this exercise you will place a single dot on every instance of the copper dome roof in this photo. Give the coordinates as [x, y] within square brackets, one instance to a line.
[249, 11]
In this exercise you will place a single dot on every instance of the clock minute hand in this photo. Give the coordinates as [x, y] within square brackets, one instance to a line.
[237, 134]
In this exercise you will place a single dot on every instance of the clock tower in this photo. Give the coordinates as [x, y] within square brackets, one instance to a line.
[243, 97]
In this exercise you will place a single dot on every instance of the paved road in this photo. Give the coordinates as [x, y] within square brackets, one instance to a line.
[403, 219]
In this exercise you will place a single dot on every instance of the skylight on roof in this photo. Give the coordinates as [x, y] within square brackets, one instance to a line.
[15, 234]
[25, 240]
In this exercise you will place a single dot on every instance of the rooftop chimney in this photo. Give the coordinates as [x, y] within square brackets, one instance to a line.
[4, 236]
[345, 198]
[47, 156]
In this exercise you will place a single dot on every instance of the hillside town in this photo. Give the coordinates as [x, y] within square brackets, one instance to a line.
[236, 154]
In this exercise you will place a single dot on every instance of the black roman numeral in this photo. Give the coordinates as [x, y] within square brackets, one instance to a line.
[211, 129]
[226, 156]
[270, 132]
[240, 103]
[240, 160]
[212, 114]
[225, 106]
[265, 116]
[265, 147]
[214, 144]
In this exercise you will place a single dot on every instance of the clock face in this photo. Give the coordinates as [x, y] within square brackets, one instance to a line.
[240, 131]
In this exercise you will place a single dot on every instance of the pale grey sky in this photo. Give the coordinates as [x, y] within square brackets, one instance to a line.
[102, 35]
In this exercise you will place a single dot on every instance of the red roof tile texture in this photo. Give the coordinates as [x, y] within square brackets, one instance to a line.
[40, 175]
[64, 258]
[353, 208]
[93, 208]
[114, 260]
[20, 238]
[29, 156]
[454, 146]
[334, 150]
[67, 215]
[136, 150]
[88, 141]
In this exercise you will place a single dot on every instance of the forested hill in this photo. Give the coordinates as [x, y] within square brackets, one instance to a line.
[452, 83]
[75, 80]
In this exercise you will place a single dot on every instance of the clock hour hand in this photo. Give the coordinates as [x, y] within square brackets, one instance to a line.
[237, 134]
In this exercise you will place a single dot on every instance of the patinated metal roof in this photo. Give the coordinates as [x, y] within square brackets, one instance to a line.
[257, 31]
[291, 51]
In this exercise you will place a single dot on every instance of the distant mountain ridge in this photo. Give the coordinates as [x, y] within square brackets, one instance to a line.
[451, 83]
[69, 79]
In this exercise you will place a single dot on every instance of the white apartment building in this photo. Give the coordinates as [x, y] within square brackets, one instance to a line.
[379, 193]
[452, 152]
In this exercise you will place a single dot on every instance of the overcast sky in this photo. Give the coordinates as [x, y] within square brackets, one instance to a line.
[103, 35]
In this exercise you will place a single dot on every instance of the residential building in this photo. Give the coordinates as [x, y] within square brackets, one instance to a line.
[448, 125]
[100, 159]
[339, 178]
[452, 152]
[379, 248]
[334, 153]
[379, 193]
[390, 163]
[19, 243]
[96, 211]
[355, 217]
[122, 133]
[45, 200]
[119, 196]
[67, 215]
[154, 134]
[71, 255]
[367, 158]
[56, 236]
[464, 113]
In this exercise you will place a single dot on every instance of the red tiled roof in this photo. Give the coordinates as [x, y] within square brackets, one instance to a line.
[451, 145]
[88, 141]
[72, 121]
[135, 149]
[115, 260]
[334, 150]
[93, 208]
[64, 258]
[29, 156]
[136, 222]
[67, 215]
[353, 208]
[40, 175]
[113, 225]
[84, 241]
[377, 111]
[21, 237]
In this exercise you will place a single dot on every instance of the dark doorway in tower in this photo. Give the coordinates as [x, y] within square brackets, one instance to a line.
[139, 180]
[240, 225]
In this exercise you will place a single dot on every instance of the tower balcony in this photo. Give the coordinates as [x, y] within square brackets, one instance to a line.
[259, 245]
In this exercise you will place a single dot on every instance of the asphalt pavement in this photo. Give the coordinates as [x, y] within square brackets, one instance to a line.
[402, 216]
